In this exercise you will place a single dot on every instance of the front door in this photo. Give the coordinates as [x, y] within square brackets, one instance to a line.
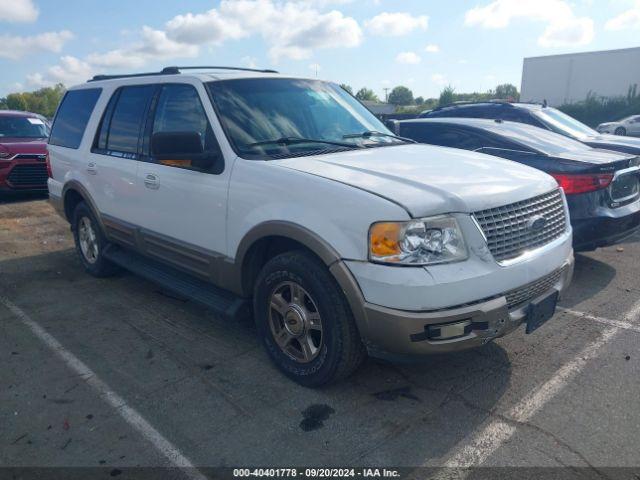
[183, 216]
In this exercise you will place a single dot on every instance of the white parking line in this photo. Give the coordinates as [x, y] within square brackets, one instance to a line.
[606, 321]
[494, 435]
[129, 414]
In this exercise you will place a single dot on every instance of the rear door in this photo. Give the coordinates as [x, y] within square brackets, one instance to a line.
[113, 163]
[183, 207]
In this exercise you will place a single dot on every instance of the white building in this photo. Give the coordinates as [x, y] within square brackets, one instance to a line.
[569, 78]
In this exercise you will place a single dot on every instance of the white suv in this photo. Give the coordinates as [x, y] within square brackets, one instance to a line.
[251, 191]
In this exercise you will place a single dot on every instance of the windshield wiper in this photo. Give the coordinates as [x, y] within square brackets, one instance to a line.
[297, 140]
[374, 133]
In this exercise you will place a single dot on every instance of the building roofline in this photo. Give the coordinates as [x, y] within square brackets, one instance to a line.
[593, 52]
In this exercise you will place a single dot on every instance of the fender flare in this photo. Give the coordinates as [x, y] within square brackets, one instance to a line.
[317, 245]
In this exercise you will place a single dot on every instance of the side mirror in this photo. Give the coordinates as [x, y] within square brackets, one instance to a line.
[180, 149]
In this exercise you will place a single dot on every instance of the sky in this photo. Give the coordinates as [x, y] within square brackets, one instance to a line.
[424, 45]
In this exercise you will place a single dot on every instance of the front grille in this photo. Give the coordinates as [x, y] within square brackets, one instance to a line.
[31, 156]
[510, 230]
[533, 290]
[30, 175]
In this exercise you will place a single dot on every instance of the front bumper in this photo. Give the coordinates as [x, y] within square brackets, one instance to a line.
[20, 175]
[592, 233]
[397, 334]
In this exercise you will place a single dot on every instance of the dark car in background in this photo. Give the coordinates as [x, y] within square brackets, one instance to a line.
[602, 187]
[541, 116]
[23, 150]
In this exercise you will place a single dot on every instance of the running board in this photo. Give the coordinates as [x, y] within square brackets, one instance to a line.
[222, 302]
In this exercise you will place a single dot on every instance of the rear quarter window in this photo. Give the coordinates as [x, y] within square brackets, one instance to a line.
[72, 117]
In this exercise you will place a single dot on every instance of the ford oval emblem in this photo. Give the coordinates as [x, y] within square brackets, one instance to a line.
[537, 223]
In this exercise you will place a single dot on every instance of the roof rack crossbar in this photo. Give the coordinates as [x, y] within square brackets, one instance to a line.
[207, 67]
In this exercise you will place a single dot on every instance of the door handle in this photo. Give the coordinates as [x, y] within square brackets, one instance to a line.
[91, 168]
[151, 181]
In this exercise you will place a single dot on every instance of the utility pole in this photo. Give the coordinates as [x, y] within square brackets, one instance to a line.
[386, 94]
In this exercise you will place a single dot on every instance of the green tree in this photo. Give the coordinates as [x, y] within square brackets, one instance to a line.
[419, 100]
[43, 101]
[447, 96]
[507, 91]
[16, 101]
[401, 96]
[367, 94]
[346, 88]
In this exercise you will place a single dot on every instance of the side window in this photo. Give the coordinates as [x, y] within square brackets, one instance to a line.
[72, 117]
[179, 112]
[123, 119]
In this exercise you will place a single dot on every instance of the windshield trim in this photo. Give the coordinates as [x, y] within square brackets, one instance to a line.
[265, 157]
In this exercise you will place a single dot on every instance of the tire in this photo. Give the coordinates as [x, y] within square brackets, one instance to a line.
[620, 131]
[90, 243]
[335, 350]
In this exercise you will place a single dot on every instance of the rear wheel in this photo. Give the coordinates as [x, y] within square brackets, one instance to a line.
[90, 243]
[620, 131]
[305, 322]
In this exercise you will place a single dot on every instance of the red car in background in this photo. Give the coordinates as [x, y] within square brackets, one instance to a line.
[23, 151]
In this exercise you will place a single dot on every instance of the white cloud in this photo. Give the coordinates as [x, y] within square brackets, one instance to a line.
[69, 71]
[14, 47]
[432, 48]
[626, 20]
[18, 11]
[409, 58]
[564, 28]
[249, 62]
[569, 33]
[439, 79]
[153, 45]
[292, 29]
[396, 24]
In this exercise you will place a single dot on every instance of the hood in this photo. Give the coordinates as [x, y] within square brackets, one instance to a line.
[614, 142]
[23, 145]
[607, 124]
[429, 180]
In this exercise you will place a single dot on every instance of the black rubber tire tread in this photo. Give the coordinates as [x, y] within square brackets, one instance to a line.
[342, 351]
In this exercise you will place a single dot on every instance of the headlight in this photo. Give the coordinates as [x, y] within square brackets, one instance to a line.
[424, 241]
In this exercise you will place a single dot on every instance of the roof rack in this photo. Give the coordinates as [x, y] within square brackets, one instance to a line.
[171, 70]
[475, 102]
[176, 71]
[98, 78]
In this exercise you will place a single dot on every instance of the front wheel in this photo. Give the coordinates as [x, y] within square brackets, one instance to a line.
[620, 131]
[90, 243]
[305, 322]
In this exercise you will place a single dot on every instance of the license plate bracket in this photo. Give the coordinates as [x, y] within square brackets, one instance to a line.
[541, 310]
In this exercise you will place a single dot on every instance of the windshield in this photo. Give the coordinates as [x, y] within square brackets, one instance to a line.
[256, 111]
[539, 139]
[562, 123]
[23, 127]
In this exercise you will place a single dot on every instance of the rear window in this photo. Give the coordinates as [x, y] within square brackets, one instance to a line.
[122, 121]
[72, 117]
[126, 122]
